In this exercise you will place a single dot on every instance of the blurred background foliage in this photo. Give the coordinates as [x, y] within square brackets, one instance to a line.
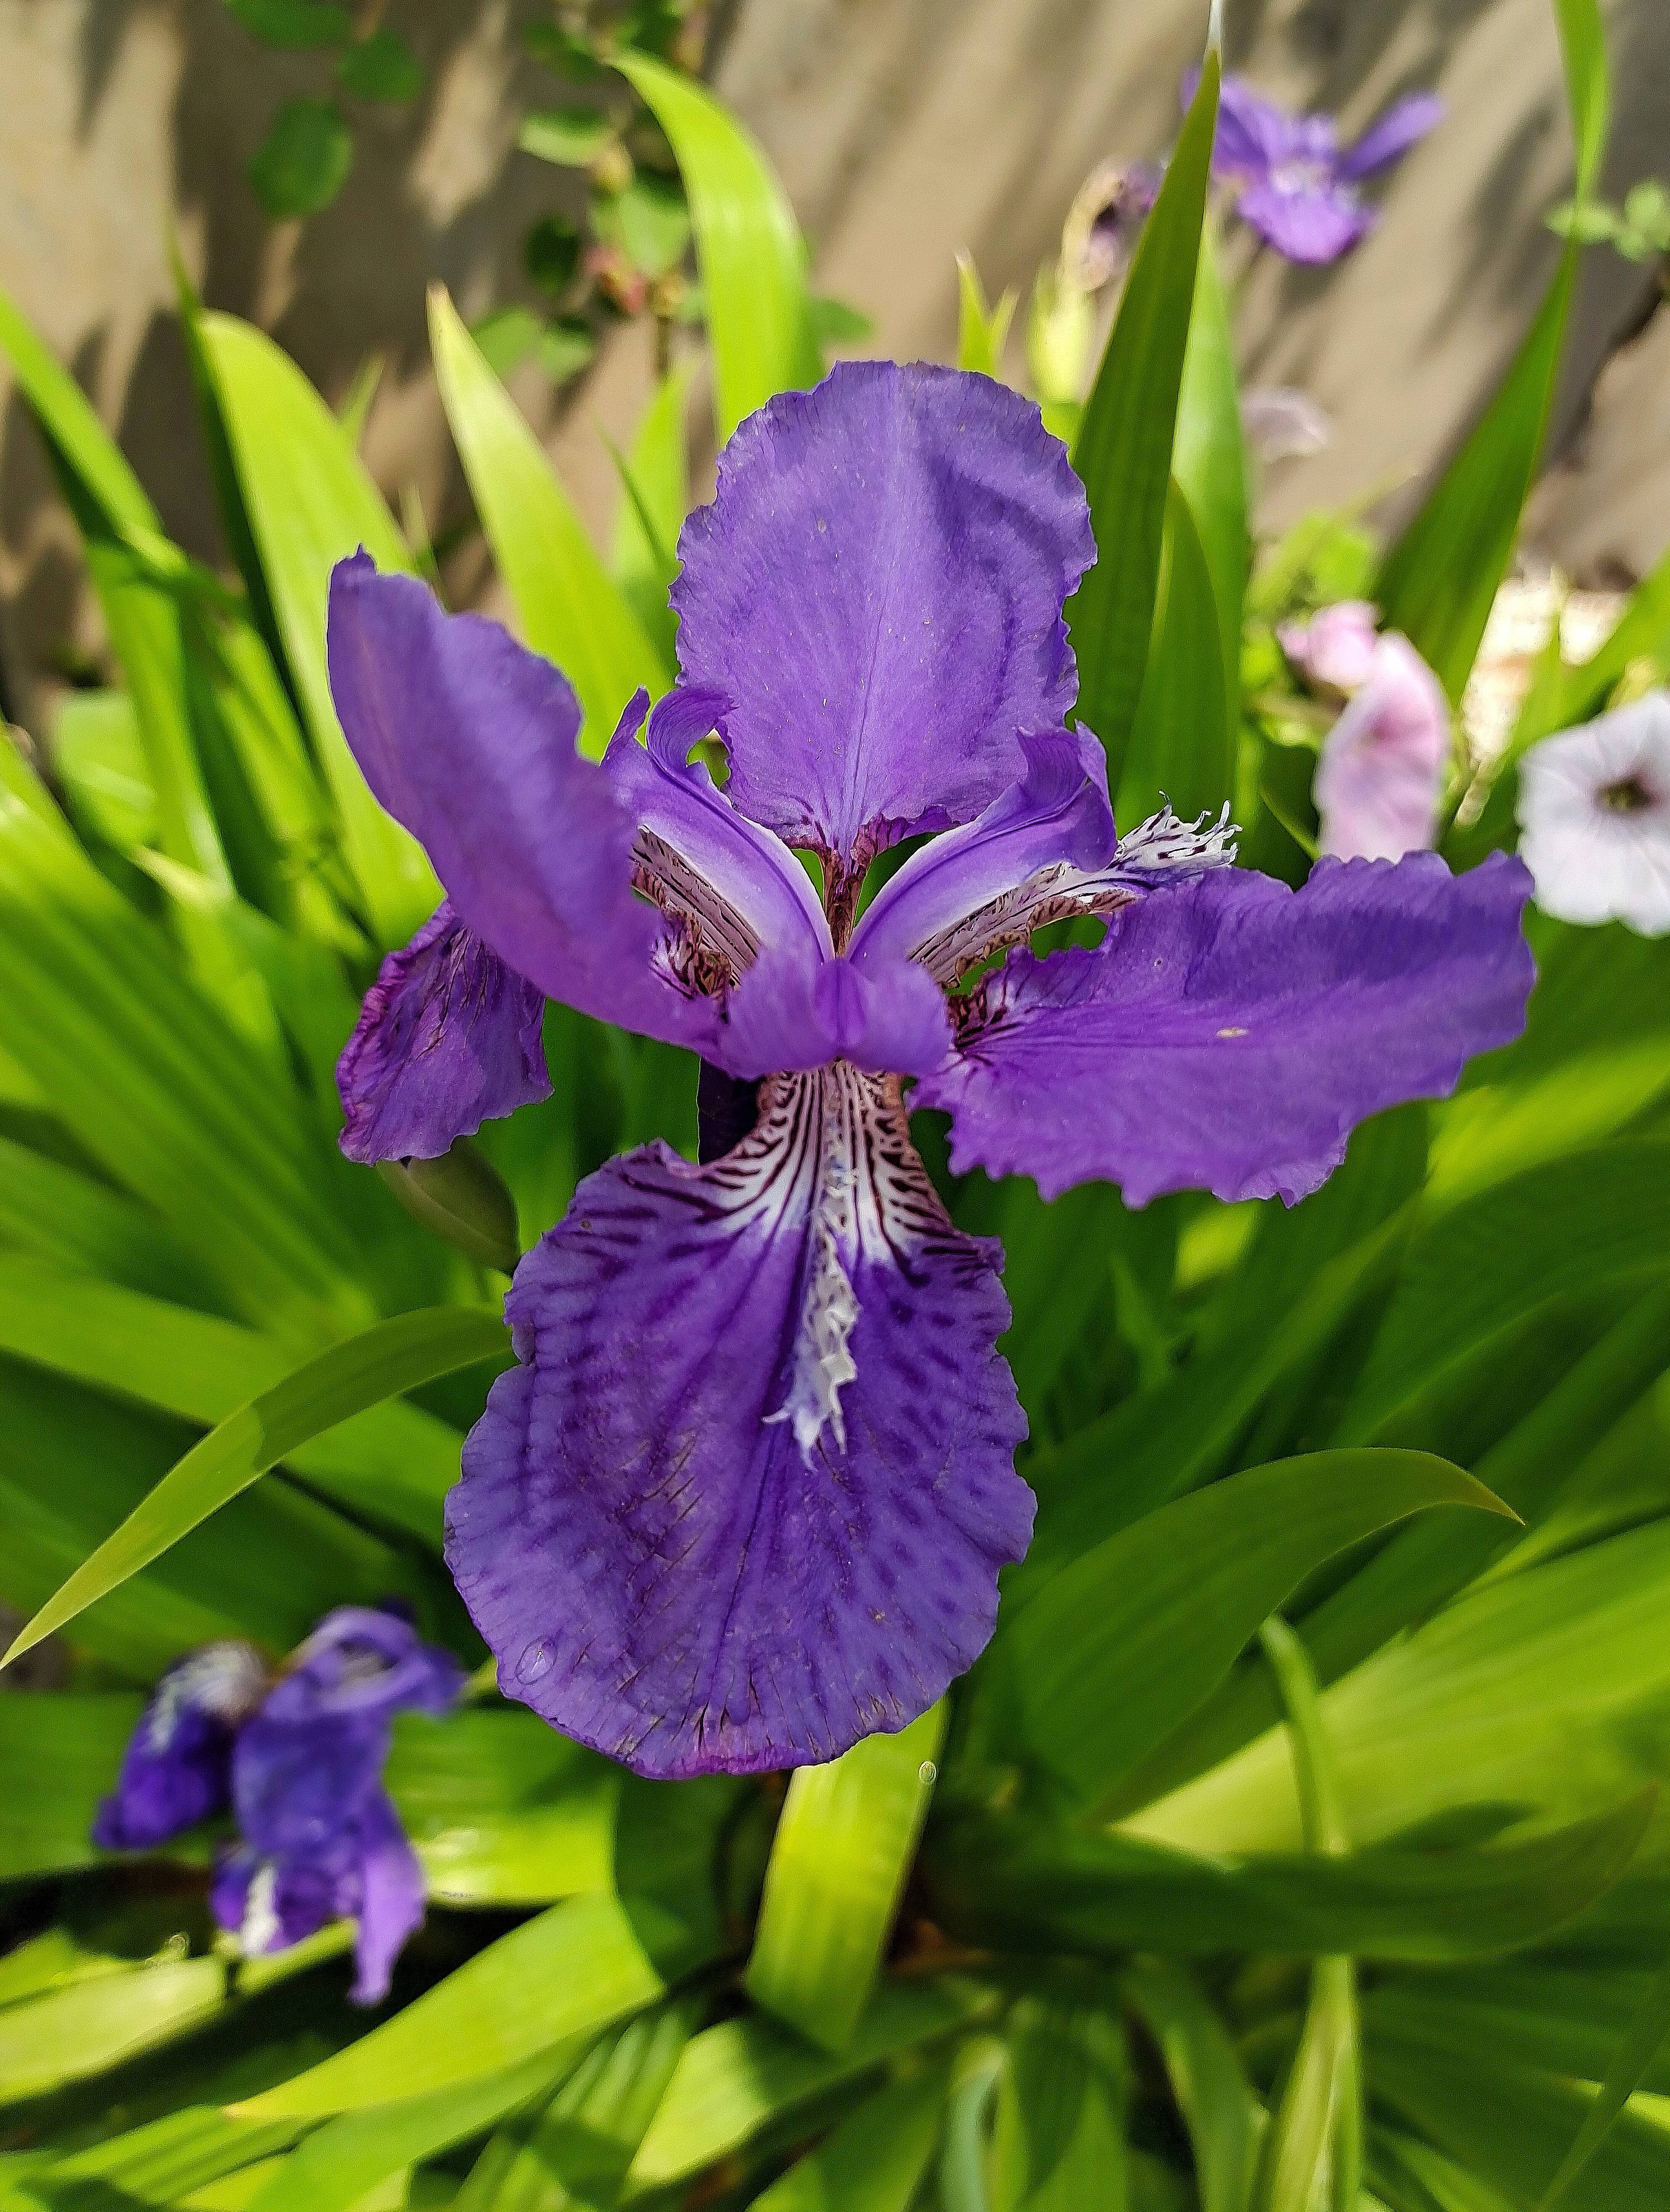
[1298, 1841]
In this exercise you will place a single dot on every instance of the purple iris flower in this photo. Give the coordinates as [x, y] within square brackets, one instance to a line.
[301, 1765]
[744, 1497]
[1299, 184]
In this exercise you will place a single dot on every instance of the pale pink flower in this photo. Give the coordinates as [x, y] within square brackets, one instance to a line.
[1381, 770]
[1335, 648]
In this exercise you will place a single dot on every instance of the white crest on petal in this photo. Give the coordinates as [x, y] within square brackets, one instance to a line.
[225, 1678]
[831, 1150]
[262, 1930]
[822, 1362]
[1593, 859]
[1165, 841]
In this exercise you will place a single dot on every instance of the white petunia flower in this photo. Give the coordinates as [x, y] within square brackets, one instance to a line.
[1594, 809]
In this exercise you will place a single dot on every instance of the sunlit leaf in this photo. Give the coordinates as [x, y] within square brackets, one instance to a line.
[577, 1967]
[567, 606]
[736, 2077]
[1124, 447]
[394, 1356]
[982, 332]
[310, 503]
[1181, 744]
[1122, 1645]
[1439, 580]
[843, 1846]
[49, 2041]
[747, 245]
[1023, 1886]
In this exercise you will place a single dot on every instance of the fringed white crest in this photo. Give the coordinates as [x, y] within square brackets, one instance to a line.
[1166, 842]
[833, 1147]
[225, 1678]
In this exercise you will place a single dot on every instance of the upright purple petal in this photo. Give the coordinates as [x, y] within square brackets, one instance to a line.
[1230, 1033]
[1381, 770]
[1254, 134]
[1306, 221]
[448, 1037]
[740, 887]
[365, 1661]
[961, 885]
[745, 1497]
[877, 585]
[1392, 134]
[177, 1769]
[469, 740]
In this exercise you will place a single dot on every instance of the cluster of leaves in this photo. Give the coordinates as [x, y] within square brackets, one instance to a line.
[628, 253]
[1639, 229]
[303, 161]
[1296, 1842]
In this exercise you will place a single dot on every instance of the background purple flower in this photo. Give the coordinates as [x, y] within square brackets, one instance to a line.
[177, 1769]
[321, 1840]
[745, 1497]
[1297, 184]
[300, 1761]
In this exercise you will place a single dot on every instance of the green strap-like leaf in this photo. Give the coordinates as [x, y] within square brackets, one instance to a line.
[576, 2151]
[1124, 447]
[655, 486]
[310, 503]
[748, 2073]
[1015, 1884]
[1643, 2040]
[575, 1969]
[112, 511]
[748, 243]
[69, 419]
[1586, 1222]
[1123, 1646]
[1210, 459]
[1313, 2152]
[1222, 2115]
[874, 2161]
[69, 2033]
[843, 1847]
[1181, 744]
[567, 605]
[395, 1355]
[1440, 580]
[155, 1086]
[981, 331]
[345, 2160]
[392, 1460]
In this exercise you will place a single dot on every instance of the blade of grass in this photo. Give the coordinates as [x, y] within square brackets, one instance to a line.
[568, 607]
[748, 245]
[392, 1357]
[1124, 448]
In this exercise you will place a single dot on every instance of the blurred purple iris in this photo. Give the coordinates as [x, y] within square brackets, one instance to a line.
[1299, 184]
[744, 1497]
[299, 1763]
